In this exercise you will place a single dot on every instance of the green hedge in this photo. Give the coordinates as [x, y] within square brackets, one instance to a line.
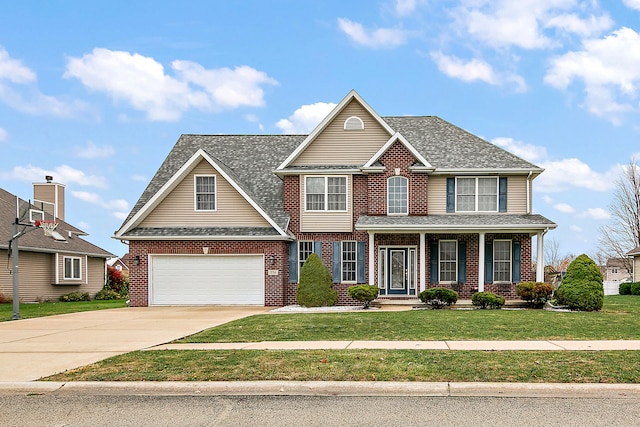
[363, 293]
[438, 297]
[486, 300]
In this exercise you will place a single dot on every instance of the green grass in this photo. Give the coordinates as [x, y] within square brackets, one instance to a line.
[619, 319]
[29, 310]
[365, 365]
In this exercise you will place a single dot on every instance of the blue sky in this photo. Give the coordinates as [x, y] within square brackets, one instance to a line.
[96, 93]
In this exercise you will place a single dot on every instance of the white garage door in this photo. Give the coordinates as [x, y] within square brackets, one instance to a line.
[203, 280]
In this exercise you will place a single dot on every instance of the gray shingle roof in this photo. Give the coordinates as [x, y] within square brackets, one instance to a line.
[250, 160]
[152, 232]
[453, 221]
[35, 240]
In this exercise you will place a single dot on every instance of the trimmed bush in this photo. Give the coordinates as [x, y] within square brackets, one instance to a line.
[635, 288]
[485, 300]
[363, 293]
[107, 294]
[625, 288]
[536, 294]
[581, 288]
[75, 296]
[316, 285]
[438, 298]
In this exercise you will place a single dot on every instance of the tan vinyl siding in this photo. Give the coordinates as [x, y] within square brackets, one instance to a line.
[336, 146]
[437, 197]
[326, 221]
[516, 194]
[636, 269]
[177, 209]
[37, 277]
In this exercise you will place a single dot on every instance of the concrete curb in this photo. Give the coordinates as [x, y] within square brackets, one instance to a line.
[325, 388]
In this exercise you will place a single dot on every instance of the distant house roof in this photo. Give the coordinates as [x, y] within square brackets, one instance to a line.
[616, 263]
[634, 252]
[35, 240]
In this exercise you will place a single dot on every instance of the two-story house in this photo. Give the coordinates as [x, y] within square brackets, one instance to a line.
[404, 203]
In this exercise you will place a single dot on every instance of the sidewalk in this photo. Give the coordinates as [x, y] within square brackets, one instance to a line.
[552, 345]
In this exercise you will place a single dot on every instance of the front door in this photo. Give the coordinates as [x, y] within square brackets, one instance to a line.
[398, 271]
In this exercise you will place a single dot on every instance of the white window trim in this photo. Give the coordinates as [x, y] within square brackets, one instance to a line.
[64, 268]
[476, 194]
[342, 261]
[407, 204]
[510, 261]
[440, 261]
[326, 193]
[300, 261]
[352, 118]
[195, 192]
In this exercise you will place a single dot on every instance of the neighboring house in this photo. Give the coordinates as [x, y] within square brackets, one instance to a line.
[616, 270]
[120, 264]
[635, 255]
[404, 203]
[49, 266]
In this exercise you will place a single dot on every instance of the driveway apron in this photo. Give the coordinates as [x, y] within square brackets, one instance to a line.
[34, 348]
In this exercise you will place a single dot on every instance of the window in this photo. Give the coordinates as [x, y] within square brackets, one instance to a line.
[205, 199]
[326, 193]
[354, 123]
[502, 261]
[397, 199]
[305, 248]
[448, 259]
[349, 261]
[72, 268]
[382, 263]
[477, 194]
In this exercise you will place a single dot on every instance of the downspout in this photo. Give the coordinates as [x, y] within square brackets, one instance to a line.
[529, 184]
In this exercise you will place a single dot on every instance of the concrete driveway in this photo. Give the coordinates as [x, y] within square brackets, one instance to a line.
[34, 348]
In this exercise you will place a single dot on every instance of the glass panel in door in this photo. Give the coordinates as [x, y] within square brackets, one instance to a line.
[397, 271]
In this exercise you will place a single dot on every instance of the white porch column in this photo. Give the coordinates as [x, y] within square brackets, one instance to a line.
[540, 258]
[481, 256]
[423, 261]
[372, 252]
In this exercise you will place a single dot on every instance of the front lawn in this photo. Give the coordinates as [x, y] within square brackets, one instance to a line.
[619, 319]
[364, 365]
[30, 310]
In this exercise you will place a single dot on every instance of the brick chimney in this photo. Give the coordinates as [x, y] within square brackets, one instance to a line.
[49, 196]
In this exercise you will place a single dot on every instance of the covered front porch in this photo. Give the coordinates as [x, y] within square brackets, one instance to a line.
[407, 255]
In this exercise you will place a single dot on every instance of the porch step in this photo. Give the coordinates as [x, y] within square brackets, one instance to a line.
[405, 303]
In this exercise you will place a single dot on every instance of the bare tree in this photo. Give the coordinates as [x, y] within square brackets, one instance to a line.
[552, 253]
[623, 233]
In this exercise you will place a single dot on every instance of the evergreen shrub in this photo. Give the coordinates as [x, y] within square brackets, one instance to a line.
[316, 284]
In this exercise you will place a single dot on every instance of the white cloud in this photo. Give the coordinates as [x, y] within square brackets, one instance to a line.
[305, 118]
[406, 7]
[528, 152]
[13, 70]
[632, 4]
[63, 174]
[3, 135]
[506, 23]
[609, 69]
[380, 38]
[92, 151]
[575, 228]
[562, 175]
[547, 199]
[596, 213]
[142, 82]
[474, 70]
[118, 206]
[564, 208]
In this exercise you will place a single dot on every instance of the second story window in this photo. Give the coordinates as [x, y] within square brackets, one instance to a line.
[205, 192]
[326, 193]
[397, 195]
[477, 194]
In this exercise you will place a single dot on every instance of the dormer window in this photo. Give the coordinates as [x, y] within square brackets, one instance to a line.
[397, 196]
[354, 123]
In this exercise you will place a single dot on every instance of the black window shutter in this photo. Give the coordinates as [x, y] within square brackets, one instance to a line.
[360, 267]
[516, 266]
[502, 194]
[293, 262]
[451, 194]
[433, 262]
[462, 262]
[336, 263]
[488, 262]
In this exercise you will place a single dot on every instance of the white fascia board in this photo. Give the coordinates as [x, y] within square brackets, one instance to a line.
[510, 228]
[174, 181]
[317, 172]
[328, 119]
[210, 237]
[486, 171]
[398, 137]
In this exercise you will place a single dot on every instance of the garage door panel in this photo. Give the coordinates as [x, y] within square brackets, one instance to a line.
[207, 280]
